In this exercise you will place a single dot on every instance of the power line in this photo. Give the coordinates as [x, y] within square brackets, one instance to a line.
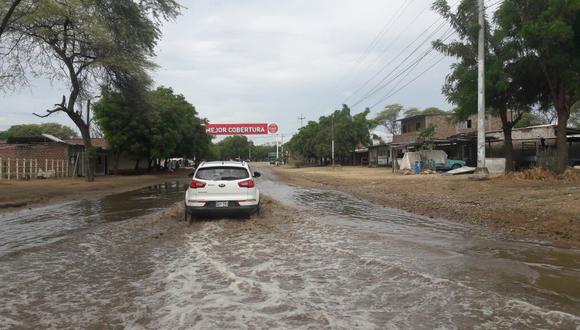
[412, 68]
[384, 67]
[409, 83]
[372, 45]
[384, 52]
[384, 83]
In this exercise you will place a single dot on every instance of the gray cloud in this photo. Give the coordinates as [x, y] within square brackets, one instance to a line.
[269, 61]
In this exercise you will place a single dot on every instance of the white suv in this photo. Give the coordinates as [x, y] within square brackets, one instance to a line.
[219, 188]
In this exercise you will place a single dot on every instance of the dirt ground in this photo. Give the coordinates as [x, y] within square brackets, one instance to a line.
[545, 210]
[19, 194]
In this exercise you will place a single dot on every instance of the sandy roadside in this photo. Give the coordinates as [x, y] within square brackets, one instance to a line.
[19, 194]
[545, 210]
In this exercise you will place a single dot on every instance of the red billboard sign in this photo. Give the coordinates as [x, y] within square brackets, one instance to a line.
[273, 128]
[241, 129]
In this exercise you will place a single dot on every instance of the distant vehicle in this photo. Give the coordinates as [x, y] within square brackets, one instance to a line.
[451, 164]
[221, 188]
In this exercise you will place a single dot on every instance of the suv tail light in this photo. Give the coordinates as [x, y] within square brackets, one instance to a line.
[247, 184]
[196, 184]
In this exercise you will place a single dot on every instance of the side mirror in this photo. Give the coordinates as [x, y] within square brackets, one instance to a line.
[257, 174]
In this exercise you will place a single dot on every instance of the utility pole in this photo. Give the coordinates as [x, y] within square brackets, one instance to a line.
[282, 147]
[277, 149]
[301, 118]
[333, 139]
[481, 170]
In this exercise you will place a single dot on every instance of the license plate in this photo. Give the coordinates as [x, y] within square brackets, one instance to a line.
[221, 204]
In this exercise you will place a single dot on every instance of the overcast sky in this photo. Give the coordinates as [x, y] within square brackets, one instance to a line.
[270, 61]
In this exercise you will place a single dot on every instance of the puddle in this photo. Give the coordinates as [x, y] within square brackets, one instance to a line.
[333, 262]
[44, 225]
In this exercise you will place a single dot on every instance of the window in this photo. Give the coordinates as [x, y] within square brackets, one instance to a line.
[222, 173]
[417, 125]
[468, 124]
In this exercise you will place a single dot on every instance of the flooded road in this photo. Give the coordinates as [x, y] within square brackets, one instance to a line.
[318, 259]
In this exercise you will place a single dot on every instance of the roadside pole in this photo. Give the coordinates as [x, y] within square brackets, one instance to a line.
[332, 139]
[277, 149]
[301, 118]
[481, 170]
[282, 147]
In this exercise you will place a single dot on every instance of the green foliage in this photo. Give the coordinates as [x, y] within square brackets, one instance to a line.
[239, 147]
[125, 123]
[83, 42]
[260, 152]
[530, 119]
[160, 125]
[233, 147]
[314, 139]
[547, 34]
[434, 111]
[389, 117]
[411, 112]
[27, 130]
[426, 136]
[175, 128]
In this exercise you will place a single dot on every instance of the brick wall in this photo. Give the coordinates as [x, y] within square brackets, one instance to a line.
[38, 151]
[445, 127]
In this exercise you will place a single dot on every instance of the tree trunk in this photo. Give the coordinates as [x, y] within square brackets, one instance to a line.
[117, 156]
[508, 148]
[89, 155]
[562, 140]
[507, 125]
[137, 165]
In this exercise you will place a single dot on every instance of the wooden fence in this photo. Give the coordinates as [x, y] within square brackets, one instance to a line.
[29, 169]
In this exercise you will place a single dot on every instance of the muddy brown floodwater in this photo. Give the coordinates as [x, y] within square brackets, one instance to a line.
[313, 259]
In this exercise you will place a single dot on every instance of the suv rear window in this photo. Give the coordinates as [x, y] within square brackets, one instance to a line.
[222, 173]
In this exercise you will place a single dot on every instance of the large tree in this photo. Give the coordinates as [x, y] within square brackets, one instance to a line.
[86, 44]
[509, 80]
[26, 130]
[348, 131]
[389, 118]
[124, 118]
[151, 125]
[548, 33]
[233, 147]
[176, 129]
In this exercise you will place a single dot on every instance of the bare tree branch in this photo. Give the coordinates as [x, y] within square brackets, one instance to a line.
[57, 108]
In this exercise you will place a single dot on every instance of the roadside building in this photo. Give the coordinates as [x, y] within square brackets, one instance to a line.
[360, 157]
[457, 139]
[379, 155]
[49, 156]
[535, 145]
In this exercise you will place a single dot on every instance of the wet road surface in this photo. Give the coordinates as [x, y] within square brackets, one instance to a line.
[323, 260]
